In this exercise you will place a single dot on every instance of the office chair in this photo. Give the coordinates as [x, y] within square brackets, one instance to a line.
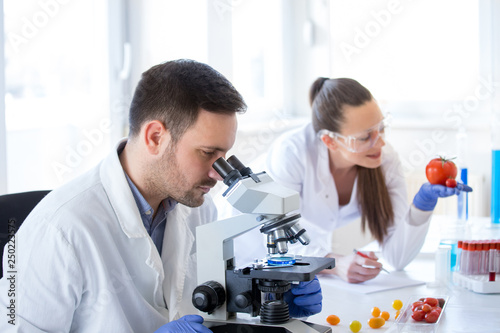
[14, 208]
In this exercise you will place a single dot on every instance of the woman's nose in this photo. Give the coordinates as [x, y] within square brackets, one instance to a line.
[380, 140]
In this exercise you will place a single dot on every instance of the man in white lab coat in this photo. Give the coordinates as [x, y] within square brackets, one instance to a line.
[114, 250]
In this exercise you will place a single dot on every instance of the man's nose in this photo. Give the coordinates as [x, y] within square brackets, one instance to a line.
[214, 174]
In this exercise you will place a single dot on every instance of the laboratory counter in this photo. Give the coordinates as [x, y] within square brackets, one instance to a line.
[465, 311]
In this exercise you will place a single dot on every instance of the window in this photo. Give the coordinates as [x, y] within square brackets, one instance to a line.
[418, 58]
[56, 91]
[257, 40]
[241, 39]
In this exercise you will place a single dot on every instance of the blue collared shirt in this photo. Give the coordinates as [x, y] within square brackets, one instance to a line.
[155, 227]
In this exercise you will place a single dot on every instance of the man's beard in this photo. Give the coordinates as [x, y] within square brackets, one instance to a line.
[169, 181]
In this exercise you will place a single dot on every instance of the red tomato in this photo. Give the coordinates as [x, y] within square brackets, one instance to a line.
[439, 170]
[451, 183]
[415, 305]
[437, 308]
[432, 316]
[431, 301]
[418, 315]
[426, 308]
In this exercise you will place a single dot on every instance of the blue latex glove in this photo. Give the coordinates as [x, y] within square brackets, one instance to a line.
[186, 324]
[427, 197]
[304, 299]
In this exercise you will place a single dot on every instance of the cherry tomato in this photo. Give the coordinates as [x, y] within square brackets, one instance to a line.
[375, 311]
[432, 316]
[355, 326]
[441, 302]
[431, 301]
[418, 315]
[397, 314]
[376, 322]
[415, 305]
[333, 319]
[397, 304]
[426, 308]
[438, 170]
[437, 308]
[451, 183]
[385, 315]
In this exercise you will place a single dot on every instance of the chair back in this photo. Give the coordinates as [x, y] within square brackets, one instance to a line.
[14, 208]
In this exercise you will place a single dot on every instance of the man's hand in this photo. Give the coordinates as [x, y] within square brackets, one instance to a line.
[304, 299]
[186, 324]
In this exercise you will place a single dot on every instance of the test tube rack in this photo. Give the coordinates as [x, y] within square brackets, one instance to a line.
[478, 266]
[476, 283]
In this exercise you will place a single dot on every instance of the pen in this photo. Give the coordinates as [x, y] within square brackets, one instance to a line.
[365, 256]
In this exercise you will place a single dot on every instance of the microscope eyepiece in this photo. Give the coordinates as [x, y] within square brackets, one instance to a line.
[226, 171]
[236, 163]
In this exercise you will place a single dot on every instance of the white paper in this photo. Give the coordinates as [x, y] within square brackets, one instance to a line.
[380, 283]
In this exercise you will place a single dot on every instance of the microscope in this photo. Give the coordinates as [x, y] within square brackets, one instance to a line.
[255, 289]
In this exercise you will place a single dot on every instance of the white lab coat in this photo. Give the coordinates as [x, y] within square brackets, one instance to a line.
[299, 160]
[85, 262]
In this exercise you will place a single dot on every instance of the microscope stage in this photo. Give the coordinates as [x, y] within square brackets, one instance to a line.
[303, 270]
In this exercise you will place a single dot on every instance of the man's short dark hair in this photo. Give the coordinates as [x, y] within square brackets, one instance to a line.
[174, 93]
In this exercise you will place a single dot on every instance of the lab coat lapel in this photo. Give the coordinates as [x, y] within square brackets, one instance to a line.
[122, 200]
[327, 184]
[120, 196]
[178, 243]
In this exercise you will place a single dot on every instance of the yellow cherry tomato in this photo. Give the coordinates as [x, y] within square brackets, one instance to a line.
[397, 314]
[355, 326]
[375, 311]
[385, 315]
[397, 304]
[333, 319]
[376, 322]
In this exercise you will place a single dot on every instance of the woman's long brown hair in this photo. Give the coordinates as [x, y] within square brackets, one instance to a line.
[328, 98]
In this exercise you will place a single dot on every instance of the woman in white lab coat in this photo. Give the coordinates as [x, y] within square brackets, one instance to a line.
[344, 170]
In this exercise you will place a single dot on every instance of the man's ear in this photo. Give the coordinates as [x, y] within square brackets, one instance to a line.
[329, 142]
[155, 137]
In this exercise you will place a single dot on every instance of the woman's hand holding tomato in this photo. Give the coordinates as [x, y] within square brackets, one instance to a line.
[441, 174]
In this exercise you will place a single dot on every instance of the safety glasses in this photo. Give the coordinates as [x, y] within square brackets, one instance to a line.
[362, 141]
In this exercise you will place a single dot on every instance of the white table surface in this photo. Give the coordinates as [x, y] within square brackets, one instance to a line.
[466, 311]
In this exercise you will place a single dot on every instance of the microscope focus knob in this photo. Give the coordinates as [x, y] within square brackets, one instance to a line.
[243, 300]
[208, 296]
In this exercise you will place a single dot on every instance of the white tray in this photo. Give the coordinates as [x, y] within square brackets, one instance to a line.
[477, 283]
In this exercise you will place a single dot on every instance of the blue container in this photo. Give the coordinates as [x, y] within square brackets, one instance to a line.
[453, 244]
[495, 187]
[463, 198]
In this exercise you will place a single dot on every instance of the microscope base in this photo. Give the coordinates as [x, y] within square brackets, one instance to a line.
[255, 326]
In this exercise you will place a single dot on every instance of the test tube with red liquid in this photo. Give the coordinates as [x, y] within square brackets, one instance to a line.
[493, 262]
